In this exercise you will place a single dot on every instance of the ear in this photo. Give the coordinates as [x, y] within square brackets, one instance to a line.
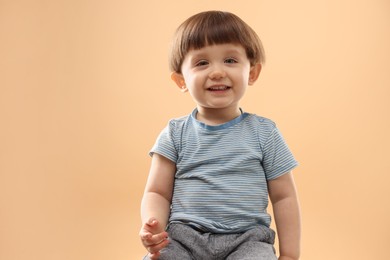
[179, 80]
[254, 73]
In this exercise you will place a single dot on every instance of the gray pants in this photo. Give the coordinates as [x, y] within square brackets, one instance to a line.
[189, 244]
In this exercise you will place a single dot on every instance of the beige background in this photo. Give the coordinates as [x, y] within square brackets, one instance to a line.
[85, 89]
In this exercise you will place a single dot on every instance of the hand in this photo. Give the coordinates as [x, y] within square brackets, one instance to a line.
[152, 239]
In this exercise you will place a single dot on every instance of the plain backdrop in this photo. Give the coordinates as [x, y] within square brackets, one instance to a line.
[85, 89]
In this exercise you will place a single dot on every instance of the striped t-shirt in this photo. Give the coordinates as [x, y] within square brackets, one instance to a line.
[222, 171]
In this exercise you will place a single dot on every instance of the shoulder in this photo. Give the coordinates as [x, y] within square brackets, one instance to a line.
[175, 126]
[260, 122]
[178, 123]
[261, 127]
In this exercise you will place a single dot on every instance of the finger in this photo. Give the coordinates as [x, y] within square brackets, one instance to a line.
[156, 239]
[157, 247]
[151, 222]
[149, 227]
[145, 235]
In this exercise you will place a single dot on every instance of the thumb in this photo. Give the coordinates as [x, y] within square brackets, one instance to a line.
[151, 225]
[152, 222]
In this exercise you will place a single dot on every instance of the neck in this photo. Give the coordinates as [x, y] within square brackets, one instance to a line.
[211, 116]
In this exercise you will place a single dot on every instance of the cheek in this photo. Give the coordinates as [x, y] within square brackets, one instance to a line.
[188, 77]
[192, 80]
[246, 76]
[242, 77]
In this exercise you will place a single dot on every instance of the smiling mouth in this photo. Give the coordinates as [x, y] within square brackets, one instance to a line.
[218, 88]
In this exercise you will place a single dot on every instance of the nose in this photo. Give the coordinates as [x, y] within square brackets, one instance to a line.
[217, 72]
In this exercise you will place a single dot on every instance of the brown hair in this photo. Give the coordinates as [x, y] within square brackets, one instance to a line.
[214, 27]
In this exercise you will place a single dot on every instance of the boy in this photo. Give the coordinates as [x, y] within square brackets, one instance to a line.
[213, 170]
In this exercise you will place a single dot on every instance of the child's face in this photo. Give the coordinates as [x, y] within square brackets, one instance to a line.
[217, 75]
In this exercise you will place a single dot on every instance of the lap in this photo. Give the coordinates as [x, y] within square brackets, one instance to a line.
[189, 244]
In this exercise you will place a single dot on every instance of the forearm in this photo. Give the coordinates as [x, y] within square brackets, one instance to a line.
[288, 225]
[155, 206]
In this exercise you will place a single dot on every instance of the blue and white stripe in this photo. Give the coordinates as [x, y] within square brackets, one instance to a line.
[222, 171]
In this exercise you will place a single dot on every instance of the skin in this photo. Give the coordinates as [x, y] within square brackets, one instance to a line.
[215, 67]
[216, 77]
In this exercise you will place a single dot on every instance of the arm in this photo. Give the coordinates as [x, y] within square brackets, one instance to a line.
[155, 205]
[285, 205]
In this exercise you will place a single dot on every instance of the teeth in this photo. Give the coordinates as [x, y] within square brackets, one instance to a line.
[219, 88]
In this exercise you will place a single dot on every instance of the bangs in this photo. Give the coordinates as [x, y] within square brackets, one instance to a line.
[212, 30]
[214, 27]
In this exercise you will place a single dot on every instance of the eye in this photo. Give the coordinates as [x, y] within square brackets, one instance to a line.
[230, 60]
[201, 63]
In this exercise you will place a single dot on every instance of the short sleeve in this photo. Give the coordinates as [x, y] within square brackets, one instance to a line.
[277, 157]
[165, 144]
